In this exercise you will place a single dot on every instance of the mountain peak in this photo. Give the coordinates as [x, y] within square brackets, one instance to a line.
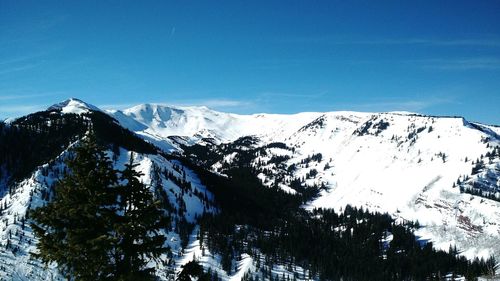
[73, 105]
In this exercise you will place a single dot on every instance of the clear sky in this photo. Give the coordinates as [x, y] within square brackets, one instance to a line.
[433, 57]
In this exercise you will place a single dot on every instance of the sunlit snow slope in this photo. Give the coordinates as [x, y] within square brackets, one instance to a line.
[159, 123]
[409, 165]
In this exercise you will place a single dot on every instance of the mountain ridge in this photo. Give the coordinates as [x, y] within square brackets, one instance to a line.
[443, 172]
[67, 105]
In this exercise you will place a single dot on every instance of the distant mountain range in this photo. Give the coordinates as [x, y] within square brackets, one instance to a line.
[443, 172]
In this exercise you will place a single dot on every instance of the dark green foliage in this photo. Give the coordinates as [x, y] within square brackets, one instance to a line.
[244, 171]
[318, 123]
[315, 157]
[477, 191]
[347, 246]
[377, 127]
[184, 229]
[277, 145]
[37, 138]
[483, 181]
[74, 229]
[194, 269]
[311, 174]
[208, 155]
[243, 198]
[108, 131]
[96, 228]
[136, 228]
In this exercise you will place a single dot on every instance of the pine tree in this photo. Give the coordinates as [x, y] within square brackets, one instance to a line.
[74, 228]
[138, 222]
[99, 226]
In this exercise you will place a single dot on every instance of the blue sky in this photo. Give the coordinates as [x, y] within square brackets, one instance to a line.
[433, 57]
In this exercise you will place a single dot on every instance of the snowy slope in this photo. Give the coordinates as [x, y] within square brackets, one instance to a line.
[16, 237]
[408, 169]
[73, 105]
[159, 122]
[399, 162]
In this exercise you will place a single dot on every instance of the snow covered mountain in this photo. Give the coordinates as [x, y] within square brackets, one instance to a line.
[413, 166]
[160, 124]
[73, 105]
[443, 172]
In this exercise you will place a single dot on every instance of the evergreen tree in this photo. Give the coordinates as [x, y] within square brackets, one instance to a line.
[74, 229]
[99, 226]
[137, 224]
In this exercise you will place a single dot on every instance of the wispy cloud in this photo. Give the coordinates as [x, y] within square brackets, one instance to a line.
[211, 103]
[23, 101]
[17, 60]
[312, 95]
[410, 105]
[27, 96]
[445, 64]
[214, 103]
[37, 25]
[117, 106]
[482, 63]
[413, 105]
[286, 63]
[17, 68]
[224, 103]
[12, 111]
[478, 42]
[24, 62]
[433, 42]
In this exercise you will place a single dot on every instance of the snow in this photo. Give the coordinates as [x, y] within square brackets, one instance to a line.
[243, 264]
[73, 105]
[162, 121]
[17, 262]
[210, 260]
